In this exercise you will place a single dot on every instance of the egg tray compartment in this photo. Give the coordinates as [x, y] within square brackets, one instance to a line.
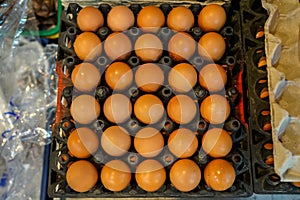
[265, 180]
[239, 156]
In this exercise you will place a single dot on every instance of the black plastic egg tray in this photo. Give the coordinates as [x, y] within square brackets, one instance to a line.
[265, 180]
[233, 61]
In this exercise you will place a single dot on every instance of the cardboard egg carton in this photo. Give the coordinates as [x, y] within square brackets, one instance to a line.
[282, 46]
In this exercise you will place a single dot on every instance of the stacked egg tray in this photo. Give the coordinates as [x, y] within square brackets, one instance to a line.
[265, 180]
[233, 61]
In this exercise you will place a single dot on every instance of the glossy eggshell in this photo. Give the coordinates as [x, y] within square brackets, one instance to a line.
[211, 46]
[149, 109]
[150, 175]
[87, 46]
[150, 19]
[120, 18]
[185, 175]
[215, 109]
[90, 19]
[149, 77]
[119, 76]
[82, 176]
[85, 109]
[85, 77]
[182, 77]
[82, 142]
[148, 47]
[115, 141]
[117, 46]
[115, 175]
[219, 175]
[182, 109]
[148, 142]
[213, 77]
[216, 142]
[181, 46]
[180, 19]
[212, 18]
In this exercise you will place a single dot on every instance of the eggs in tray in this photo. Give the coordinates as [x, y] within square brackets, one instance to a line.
[164, 97]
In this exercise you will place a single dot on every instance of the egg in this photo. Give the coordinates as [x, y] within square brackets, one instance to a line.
[85, 109]
[182, 77]
[213, 77]
[148, 142]
[85, 77]
[82, 176]
[212, 18]
[215, 109]
[211, 46]
[180, 19]
[150, 19]
[185, 175]
[115, 141]
[148, 47]
[117, 108]
[115, 175]
[82, 142]
[149, 109]
[182, 109]
[117, 47]
[219, 175]
[87, 46]
[149, 77]
[120, 18]
[118, 76]
[216, 142]
[150, 175]
[181, 46]
[90, 19]
[183, 143]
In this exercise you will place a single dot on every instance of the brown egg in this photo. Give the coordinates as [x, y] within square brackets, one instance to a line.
[211, 46]
[115, 175]
[117, 108]
[90, 19]
[213, 77]
[149, 77]
[182, 77]
[182, 109]
[212, 18]
[82, 176]
[185, 175]
[182, 143]
[85, 77]
[85, 109]
[115, 141]
[87, 46]
[216, 142]
[118, 76]
[148, 47]
[150, 19]
[219, 175]
[215, 109]
[180, 19]
[83, 142]
[120, 18]
[148, 142]
[150, 175]
[181, 46]
[148, 109]
[117, 46]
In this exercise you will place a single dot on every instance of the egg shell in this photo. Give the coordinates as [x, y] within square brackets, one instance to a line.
[212, 18]
[180, 19]
[82, 176]
[118, 76]
[90, 19]
[213, 77]
[150, 19]
[120, 18]
[117, 46]
[148, 47]
[87, 46]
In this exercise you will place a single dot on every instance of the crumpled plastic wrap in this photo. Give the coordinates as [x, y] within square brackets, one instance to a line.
[27, 103]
